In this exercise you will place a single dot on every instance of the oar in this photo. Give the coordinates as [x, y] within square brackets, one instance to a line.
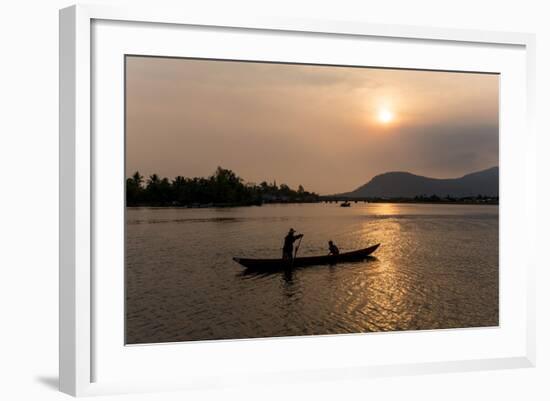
[296, 251]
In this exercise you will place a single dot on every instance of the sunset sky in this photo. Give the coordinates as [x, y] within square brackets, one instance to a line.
[330, 129]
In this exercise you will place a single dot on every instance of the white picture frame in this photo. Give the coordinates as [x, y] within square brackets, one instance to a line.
[79, 316]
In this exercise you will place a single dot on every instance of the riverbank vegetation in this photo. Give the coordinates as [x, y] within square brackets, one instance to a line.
[433, 199]
[223, 188]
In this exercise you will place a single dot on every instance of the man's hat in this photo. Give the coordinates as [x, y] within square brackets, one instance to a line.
[291, 230]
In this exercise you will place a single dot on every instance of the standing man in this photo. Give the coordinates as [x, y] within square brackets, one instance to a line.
[288, 247]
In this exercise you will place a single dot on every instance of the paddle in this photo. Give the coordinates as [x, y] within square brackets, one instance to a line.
[296, 251]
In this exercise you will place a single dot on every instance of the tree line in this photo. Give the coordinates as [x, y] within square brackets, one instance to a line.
[223, 188]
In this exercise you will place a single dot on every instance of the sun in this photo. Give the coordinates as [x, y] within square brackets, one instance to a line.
[385, 116]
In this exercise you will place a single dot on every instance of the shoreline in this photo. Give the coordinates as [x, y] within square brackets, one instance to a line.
[336, 203]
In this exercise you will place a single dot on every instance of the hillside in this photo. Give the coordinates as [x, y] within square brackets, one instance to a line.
[407, 185]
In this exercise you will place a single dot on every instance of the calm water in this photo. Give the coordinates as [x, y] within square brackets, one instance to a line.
[437, 267]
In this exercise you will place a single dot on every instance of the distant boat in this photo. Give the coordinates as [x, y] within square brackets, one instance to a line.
[280, 264]
[345, 204]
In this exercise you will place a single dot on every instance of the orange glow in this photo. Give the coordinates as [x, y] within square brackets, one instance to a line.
[385, 116]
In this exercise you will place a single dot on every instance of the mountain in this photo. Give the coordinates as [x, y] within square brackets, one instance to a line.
[407, 185]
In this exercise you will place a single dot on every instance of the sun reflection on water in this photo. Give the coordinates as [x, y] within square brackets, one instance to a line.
[423, 276]
[381, 290]
[383, 209]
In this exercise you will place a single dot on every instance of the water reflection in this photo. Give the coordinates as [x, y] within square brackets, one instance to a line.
[287, 275]
[183, 285]
[384, 209]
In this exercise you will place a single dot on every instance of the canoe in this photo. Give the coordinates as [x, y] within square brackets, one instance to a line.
[280, 264]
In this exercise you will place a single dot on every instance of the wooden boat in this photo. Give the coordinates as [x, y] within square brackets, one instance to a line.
[280, 264]
[345, 204]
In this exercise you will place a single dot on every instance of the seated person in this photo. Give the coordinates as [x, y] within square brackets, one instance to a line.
[332, 248]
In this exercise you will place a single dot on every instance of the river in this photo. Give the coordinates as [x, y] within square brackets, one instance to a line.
[437, 267]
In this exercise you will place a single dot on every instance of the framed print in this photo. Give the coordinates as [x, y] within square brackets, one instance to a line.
[290, 200]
